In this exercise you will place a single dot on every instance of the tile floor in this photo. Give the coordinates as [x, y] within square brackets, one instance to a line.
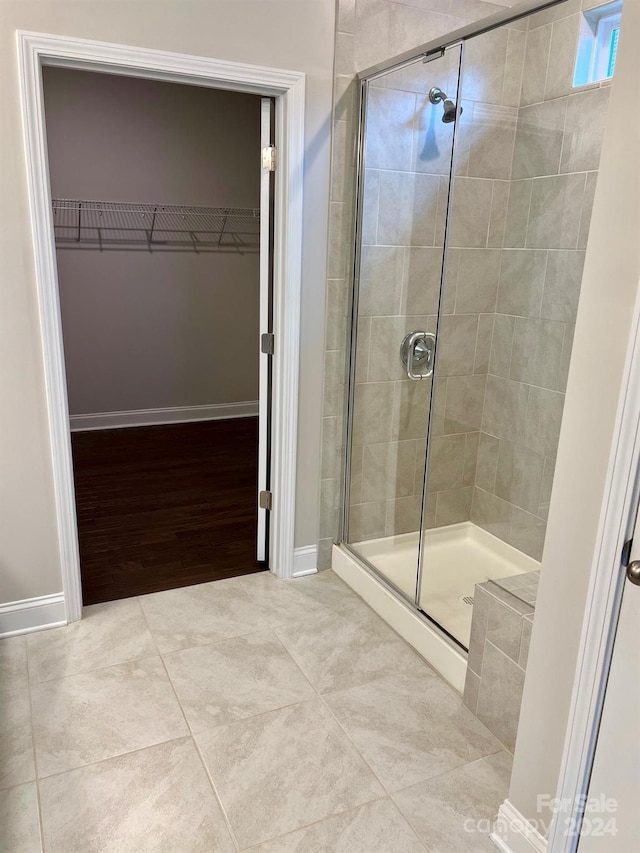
[244, 714]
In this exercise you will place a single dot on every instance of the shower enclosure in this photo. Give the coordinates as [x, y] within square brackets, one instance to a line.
[476, 167]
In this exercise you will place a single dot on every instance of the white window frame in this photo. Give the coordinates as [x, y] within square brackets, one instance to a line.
[594, 47]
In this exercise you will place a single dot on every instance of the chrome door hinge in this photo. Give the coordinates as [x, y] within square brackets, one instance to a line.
[267, 343]
[269, 158]
[265, 500]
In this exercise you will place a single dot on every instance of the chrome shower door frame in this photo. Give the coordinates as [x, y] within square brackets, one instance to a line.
[434, 49]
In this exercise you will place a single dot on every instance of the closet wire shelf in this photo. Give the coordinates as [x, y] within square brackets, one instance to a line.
[107, 225]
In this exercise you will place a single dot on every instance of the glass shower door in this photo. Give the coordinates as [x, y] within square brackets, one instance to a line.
[406, 154]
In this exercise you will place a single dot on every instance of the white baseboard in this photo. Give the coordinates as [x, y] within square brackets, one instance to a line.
[443, 656]
[305, 561]
[156, 417]
[512, 832]
[32, 614]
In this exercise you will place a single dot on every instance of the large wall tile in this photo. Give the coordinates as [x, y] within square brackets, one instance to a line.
[446, 462]
[453, 506]
[522, 278]
[556, 207]
[562, 57]
[500, 695]
[421, 276]
[465, 400]
[456, 345]
[488, 450]
[407, 212]
[491, 513]
[505, 408]
[539, 139]
[504, 629]
[535, 64]
[543, 419]
[527, 533]
[381, 274]
[519, 475]
[584, 130]
[388, 470]
[517, 216]
[562, 284]
[471, 208]
[372, 404]
[477, 280]
[501, 345]
[537, 351]
[390, 116]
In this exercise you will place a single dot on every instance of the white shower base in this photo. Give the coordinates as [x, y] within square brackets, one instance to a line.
[456, 558]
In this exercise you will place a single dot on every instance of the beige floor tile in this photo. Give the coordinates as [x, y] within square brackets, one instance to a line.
[156, 800]
[376, 827]
[16, 743]
[410, 729]
[280, 601]
[285, 769]
[107, 634]
[453, 812]
[195, 615]
[235, 678]
[19, 825]
[13, 662]
[85, 718]
[327, 589]
[335, 652]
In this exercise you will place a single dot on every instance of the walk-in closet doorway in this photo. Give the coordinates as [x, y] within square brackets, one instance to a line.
[161, 311]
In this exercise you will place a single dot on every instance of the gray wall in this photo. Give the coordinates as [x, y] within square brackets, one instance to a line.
[276, 33]
[149, 330]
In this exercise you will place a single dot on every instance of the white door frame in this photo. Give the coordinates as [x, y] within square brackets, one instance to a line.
[288, 87]
[604, 599]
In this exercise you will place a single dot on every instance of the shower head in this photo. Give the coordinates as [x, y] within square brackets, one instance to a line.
[437, 96]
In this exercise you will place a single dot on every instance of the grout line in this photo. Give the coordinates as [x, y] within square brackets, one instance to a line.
[33, 748]
[232, 834]
[93, 669]
[113, 757]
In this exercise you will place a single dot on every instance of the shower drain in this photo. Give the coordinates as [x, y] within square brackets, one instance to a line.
[466, 599]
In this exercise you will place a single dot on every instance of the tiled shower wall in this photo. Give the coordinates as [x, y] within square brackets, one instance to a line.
[370, 31]
[526, 146]
[556, 157]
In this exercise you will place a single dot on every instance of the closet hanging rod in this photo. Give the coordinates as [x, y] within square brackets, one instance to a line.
[80, 223]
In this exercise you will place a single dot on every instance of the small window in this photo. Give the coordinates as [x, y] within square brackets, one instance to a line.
[598, 45]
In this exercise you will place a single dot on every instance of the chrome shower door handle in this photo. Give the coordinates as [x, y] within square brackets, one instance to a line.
[417, 354]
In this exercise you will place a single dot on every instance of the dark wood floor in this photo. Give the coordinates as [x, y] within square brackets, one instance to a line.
[165, 506]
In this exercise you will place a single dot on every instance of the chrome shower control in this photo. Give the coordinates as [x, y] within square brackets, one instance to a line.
[417, 352]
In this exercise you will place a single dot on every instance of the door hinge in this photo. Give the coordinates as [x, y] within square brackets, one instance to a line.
[269, 158]
[265, 500]
[267, 343]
